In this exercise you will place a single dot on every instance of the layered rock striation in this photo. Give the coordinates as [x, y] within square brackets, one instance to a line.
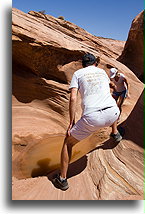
[132, 55]
[46, 52]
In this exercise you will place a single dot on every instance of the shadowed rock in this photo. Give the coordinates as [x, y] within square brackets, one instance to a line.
[132, 55]
[46, 53]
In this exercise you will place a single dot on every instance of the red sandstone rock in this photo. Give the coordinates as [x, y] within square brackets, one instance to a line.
[132, 55]
[46, 52]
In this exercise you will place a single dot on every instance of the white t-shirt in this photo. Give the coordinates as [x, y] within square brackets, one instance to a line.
[93, 85]
[120, 84]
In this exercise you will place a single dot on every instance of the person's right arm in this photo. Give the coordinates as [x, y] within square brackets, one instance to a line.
[72, 108]
[112, 85]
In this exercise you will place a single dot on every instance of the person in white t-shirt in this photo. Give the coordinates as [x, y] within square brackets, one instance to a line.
[120, 86]
[99, 110]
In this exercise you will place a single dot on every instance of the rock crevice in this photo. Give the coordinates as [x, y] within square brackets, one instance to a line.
[46, 52]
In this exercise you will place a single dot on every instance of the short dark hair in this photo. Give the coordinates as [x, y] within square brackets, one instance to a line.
[89, 59]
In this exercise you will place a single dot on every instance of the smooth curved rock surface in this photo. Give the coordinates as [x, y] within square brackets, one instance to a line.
[46, 52]
[132, 55]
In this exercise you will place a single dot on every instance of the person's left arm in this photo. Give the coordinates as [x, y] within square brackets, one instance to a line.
[127, 84]
[112, 85]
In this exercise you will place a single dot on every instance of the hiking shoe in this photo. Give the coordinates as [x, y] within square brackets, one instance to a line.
[63, 185]
[117, 137]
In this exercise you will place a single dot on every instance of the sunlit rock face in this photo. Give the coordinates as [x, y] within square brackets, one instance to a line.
[46, 53]
[132, 55]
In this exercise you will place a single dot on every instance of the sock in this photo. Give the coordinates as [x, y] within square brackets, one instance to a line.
[62, 179]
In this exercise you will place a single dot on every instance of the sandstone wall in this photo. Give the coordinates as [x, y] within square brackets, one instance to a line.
[46, 53]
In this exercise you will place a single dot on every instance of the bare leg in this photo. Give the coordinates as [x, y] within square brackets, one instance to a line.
[121, 100]
[115, 134]
[66, 153]
[114, 127]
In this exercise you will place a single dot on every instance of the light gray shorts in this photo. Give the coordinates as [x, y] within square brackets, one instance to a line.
[94, 121]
